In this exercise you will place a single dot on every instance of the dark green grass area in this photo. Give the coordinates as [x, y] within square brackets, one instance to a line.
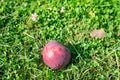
[22, 40]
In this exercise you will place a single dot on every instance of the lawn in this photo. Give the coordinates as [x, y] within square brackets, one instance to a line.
[27, 25]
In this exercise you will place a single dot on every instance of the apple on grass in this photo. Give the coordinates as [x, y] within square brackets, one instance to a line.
[55, 55]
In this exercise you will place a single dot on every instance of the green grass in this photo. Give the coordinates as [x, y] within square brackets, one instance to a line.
[22, 40]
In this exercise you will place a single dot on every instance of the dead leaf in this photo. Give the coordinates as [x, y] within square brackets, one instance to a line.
[118, 35]
[98, 33]
[92, 14]
[112, 40]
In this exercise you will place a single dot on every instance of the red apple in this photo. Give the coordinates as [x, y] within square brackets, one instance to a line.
[55, 55]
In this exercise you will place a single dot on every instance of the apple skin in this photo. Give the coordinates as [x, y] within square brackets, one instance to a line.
[55, 55]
